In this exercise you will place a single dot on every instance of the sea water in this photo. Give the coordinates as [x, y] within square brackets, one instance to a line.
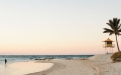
[19, 58]
[24, 64]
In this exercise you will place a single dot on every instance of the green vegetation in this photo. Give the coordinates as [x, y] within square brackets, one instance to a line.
[116, 56]
[115, 29]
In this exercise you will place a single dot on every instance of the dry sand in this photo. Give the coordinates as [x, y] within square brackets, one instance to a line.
[96, 65]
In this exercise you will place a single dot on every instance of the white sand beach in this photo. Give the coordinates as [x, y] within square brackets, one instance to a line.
[96, 65]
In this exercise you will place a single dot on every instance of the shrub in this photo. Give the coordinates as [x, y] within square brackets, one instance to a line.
[116, 56]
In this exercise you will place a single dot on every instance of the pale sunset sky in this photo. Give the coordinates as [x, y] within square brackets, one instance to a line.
[47, 27]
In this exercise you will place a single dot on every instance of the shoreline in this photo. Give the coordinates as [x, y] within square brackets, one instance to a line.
[22, 68]
[96, 65]
[66, 67]
[47, 71]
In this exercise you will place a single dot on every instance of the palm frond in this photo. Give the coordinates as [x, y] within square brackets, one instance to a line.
[112, 27]
[111, 22]
[119, 30]
[106, 32]
[119, 26]
[118, 21]
[111, 33]
[106, 29]
[115, 22]
[115, 27]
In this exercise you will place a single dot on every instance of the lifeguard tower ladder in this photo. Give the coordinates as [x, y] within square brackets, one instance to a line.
[108, 44]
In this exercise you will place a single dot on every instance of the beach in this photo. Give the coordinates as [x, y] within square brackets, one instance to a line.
[60, 37]
[26, 64]
[96, 65]
[100, 64]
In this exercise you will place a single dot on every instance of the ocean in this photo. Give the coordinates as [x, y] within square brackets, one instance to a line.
[21, 64]
[20, 58]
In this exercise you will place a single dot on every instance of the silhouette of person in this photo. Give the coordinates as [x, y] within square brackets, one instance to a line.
[5, 61]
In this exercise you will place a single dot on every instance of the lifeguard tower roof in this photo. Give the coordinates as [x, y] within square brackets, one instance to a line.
[108, 40]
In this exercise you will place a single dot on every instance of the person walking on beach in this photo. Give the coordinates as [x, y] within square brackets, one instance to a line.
[5, 61]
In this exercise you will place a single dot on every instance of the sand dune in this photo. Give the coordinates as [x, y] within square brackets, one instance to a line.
[102, 57]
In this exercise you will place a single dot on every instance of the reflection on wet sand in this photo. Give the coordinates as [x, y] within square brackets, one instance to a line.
[21, 68]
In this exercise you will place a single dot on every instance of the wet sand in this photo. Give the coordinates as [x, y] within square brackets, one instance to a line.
[22, 68]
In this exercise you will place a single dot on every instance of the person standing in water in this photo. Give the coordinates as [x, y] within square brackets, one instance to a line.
[5, 61]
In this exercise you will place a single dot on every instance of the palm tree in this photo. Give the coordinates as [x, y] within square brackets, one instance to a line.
[115, 29]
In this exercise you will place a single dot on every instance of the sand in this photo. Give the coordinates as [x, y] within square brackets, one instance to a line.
[96, 65]
[22, 68]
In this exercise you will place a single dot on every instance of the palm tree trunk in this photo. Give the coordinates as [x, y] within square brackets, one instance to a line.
[117, 43]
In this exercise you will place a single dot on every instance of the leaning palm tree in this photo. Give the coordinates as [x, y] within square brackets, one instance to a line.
[115, 29]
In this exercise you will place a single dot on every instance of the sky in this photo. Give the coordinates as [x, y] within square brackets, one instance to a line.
[56, 27]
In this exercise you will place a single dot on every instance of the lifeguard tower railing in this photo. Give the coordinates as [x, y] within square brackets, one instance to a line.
[111, 46]
[108, 45]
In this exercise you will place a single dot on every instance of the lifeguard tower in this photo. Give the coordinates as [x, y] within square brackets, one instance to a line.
[108, 44]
